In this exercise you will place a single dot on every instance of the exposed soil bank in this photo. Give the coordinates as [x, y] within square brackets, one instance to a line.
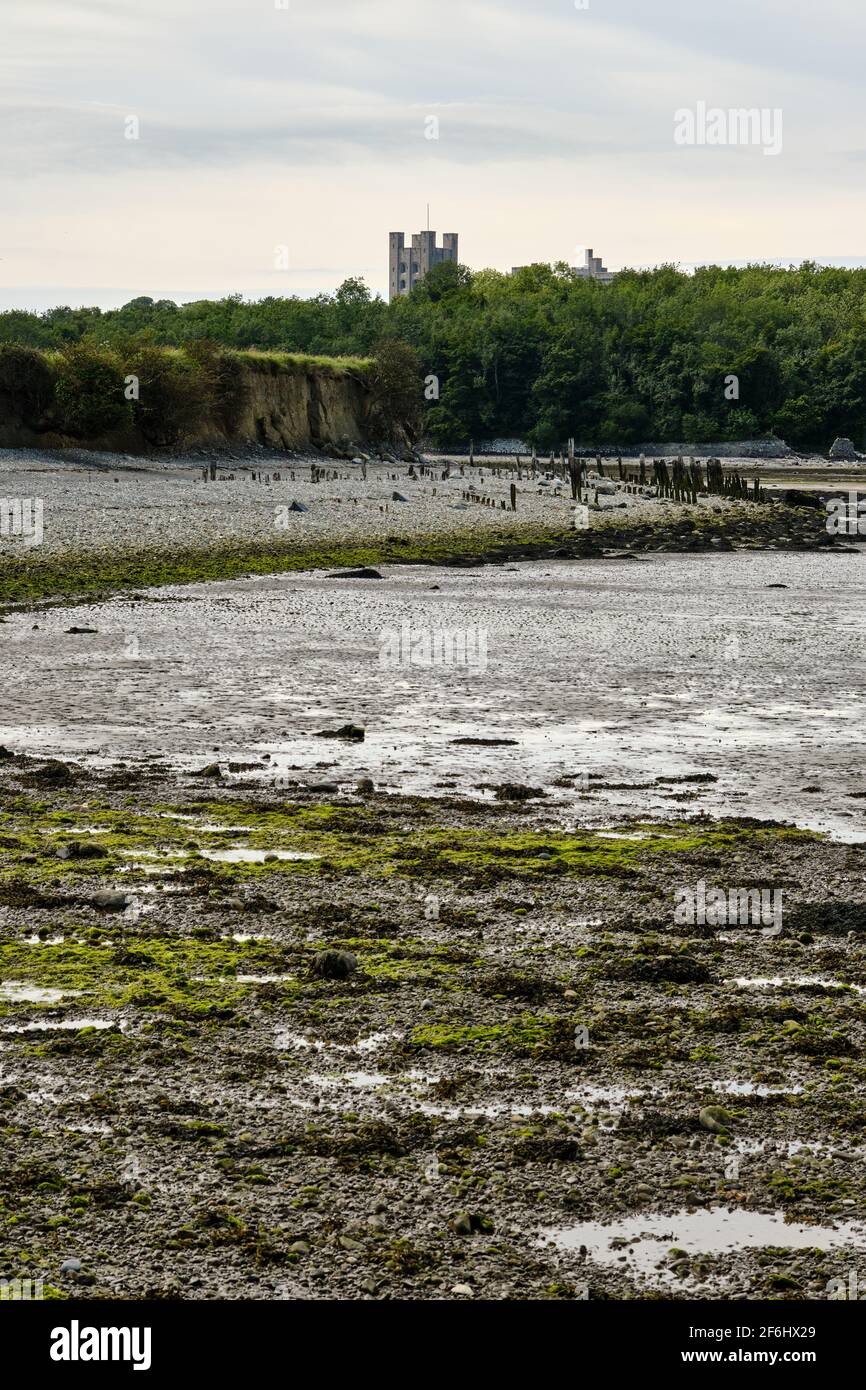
[276, 401]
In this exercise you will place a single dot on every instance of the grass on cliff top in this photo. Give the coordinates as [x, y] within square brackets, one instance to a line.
[261, 360]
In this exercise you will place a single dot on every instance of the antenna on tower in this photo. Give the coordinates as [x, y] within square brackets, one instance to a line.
[428, 217]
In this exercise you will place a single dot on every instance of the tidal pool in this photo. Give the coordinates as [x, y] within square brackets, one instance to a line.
[642, 1243]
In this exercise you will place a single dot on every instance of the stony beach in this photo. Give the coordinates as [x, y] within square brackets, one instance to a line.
[325, 978]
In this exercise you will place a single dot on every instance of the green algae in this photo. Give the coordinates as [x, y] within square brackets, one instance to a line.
[149, 972]
[68, 575]
[344, 840]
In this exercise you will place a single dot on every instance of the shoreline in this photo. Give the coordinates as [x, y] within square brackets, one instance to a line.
[128, 524]
[316, 1085]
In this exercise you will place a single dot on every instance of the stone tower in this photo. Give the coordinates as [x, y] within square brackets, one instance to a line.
[409, 264]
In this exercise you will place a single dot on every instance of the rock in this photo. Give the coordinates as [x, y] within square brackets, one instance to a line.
[76, 849]
[398, 497]
[461, 1224]
[513, 791]
[109, 900]
[715, 1119]
[462, 1290]
[71, 1266]
[5, 752]
[210, 770]
[298, 507]
[353, 733]
[365, 787]
[53, 773]
[842, 448]
[300, 1247]
[333, 965]
[487, 742]
[365, 572]
[348, 1243]
[81, 629]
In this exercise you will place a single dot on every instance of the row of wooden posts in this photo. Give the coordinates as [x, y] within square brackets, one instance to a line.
[683, 481]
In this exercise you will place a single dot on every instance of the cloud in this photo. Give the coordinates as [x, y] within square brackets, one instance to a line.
[555, 126]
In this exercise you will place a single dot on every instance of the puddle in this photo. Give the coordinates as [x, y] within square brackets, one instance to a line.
[211, 827]
[18, 992]
[260, 979]
[786, 1148]
[755, 1088]
[640, 1243]
[793, 982]
[154, 854]
[285, 1039]
[589, 1096]
[66, 1023]
[362, 1080]
[254, 856]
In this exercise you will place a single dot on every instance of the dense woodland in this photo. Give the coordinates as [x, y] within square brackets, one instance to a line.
[544, 354]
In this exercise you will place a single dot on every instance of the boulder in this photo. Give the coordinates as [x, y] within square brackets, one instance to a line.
[843, 449]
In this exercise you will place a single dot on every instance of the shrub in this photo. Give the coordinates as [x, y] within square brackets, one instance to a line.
[90, 391]
[175, 392]
[27, 379]
[228, 378]
[397, 389]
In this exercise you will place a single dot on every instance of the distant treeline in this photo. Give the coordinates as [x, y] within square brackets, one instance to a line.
[544, 354]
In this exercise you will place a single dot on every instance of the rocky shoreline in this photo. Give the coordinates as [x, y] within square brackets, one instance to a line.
[128, 523]
[264, 1042]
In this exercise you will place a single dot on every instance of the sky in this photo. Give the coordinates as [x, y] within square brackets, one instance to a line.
[175, 147]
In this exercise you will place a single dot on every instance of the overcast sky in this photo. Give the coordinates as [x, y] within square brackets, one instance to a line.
[306, 127]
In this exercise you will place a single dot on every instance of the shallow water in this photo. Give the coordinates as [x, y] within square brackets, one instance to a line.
[604, 672]
[641, 1242]
[253, 856]
[794, 982]
[19, 992]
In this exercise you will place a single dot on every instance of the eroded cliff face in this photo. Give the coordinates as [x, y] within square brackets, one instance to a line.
[286, 407]
[293, 409]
